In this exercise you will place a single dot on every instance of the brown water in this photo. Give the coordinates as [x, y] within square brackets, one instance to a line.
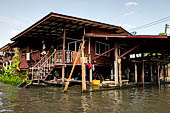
[54, 100]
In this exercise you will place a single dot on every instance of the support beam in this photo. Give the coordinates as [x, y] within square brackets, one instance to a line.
[136, 73]
[63, 52]
[104, 53]
[116, 65]
[129, 50]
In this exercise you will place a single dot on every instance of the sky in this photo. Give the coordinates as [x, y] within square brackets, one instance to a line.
[17, 15]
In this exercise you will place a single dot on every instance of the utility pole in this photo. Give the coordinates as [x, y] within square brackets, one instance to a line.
[166, 27]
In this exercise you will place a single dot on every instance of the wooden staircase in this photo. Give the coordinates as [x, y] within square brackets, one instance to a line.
[44, 67]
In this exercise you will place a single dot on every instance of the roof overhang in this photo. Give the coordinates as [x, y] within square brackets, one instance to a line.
[53, 23]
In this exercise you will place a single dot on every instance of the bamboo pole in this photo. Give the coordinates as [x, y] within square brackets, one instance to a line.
[83, 71]
[77, 57]
[83, 66]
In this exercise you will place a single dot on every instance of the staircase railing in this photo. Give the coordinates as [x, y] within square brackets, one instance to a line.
[35, 67]
[45, 67]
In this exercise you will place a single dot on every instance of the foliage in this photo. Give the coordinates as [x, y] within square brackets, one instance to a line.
[162, 34]
[13, 75]
[12, 79]
[15, 58]
[28, 81]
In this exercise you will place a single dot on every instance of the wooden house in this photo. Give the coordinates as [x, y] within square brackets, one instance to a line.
[50, 46]
[6, 54]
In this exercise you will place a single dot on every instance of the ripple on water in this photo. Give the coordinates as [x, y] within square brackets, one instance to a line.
[5, 111]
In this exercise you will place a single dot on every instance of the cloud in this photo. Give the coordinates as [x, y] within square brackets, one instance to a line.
[14, 32]
[131, 4]
[129, 13]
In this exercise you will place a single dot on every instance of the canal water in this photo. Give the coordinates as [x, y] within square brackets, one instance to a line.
[54, 100]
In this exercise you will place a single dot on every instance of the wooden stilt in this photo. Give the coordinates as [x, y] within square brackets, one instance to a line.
[63, 73]
[143, 73]
[116, 65]
[152, 79]
[164, 72]
[167, 73]
[120, 70]
[89, 53]
[158, 68]
[83, 66]
[136, 73]
[63, 52]
[111, 72]
[83, 71]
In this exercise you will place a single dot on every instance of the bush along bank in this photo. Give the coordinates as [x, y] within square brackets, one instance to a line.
[12, 73]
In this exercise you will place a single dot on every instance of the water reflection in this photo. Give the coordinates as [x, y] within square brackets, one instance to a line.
[54, 100]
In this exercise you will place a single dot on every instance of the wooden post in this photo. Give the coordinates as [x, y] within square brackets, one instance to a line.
[158, 67]
[152, 79]
[111, 72]
[120, 72]
[164, 72]
[83, 71]
[136, 73]
[116, 65]
[89, 53]
[63, 52]
[120, 69]
[167, 72]
[143, 73]
[83, 66]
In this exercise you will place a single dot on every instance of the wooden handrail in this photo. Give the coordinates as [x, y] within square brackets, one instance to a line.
[49, 57]
[40, 61]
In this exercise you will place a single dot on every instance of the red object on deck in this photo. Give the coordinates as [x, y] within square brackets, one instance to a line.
[89, 66]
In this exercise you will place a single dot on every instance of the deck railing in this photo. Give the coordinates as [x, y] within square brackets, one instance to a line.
[47, 63]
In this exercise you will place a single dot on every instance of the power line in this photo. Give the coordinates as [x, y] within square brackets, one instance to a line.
[152, 23]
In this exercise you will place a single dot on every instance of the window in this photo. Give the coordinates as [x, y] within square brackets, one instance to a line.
[74, 46]
[101, 48]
